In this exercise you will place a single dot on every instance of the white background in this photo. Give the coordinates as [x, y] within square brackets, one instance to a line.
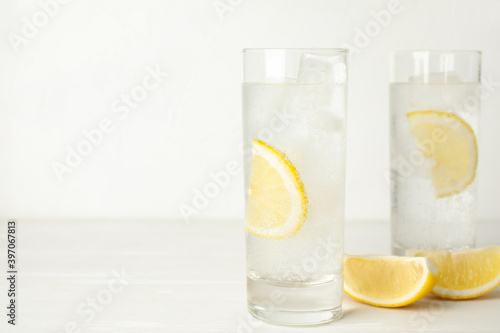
[65, 76]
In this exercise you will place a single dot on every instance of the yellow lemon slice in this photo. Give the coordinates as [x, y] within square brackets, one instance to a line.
[388, 281]
[465, 273]
[451, 142]
[277, 202]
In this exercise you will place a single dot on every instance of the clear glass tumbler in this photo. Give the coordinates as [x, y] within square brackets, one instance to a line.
[434, 117]
[294, 125]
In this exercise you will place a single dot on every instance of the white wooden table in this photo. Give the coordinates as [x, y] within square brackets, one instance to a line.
[167, 276]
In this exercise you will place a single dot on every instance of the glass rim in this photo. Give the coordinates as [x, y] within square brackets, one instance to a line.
[297, 49]
[435, 52]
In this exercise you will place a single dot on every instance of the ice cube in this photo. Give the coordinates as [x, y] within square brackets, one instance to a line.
[326, 76]
[323, 121]
[320, 69]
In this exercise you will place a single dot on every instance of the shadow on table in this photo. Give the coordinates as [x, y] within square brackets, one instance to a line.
[428, 302]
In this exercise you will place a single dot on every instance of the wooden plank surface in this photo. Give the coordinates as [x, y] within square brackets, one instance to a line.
[168, 276]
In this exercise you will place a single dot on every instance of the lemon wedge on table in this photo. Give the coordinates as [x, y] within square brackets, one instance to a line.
[451, 142]
[388, 281]
[277, 202]
[465, 273]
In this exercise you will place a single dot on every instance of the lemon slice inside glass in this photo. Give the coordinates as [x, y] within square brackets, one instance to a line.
[388, 281]
[465, 273]
[451, 143]
[277, 202]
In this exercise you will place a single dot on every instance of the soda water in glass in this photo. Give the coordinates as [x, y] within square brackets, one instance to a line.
[434, 113]
[294, 131]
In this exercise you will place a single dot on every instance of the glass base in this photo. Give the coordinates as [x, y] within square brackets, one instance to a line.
[297, 303]
[295, 317]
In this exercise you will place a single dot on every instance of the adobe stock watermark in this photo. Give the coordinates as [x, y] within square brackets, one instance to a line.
[222, 7]
[323, 254]
[121, 107]
[88, 309]
[380, 19]
[221, 179]
[405, 166]
[423, 317]
[247, 325]
[31, 27]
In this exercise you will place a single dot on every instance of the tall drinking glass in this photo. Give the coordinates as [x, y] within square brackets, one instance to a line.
[294, 125]
[434, 113]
